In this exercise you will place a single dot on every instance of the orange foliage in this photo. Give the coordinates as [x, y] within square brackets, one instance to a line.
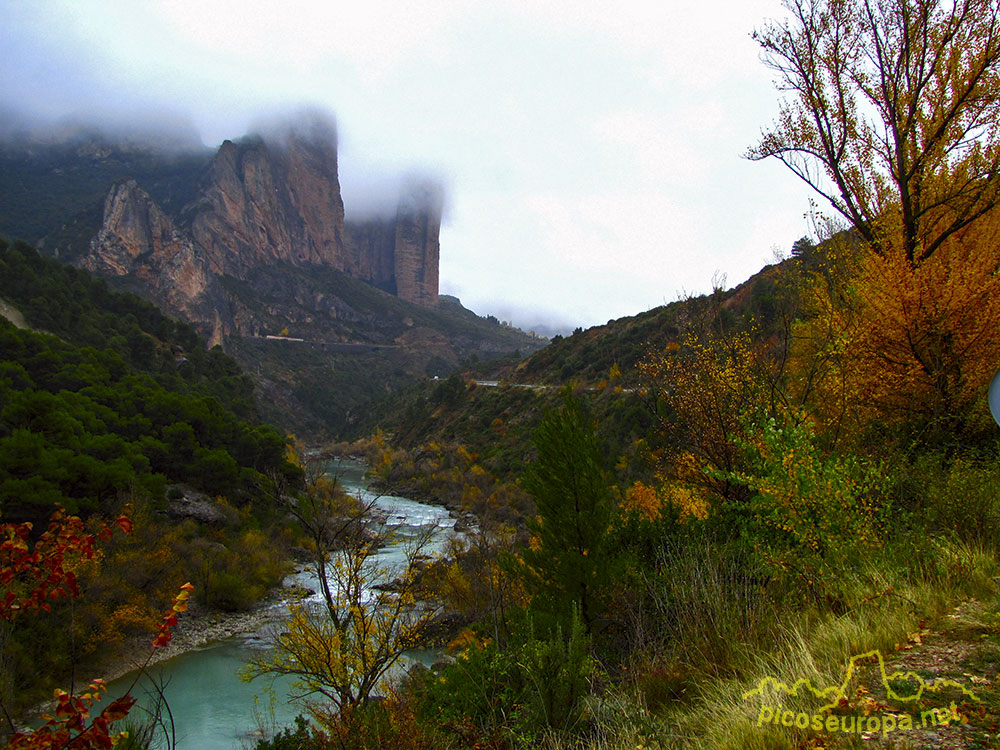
[69, 727]
[170, 619]
[644, 501]
[908, 343]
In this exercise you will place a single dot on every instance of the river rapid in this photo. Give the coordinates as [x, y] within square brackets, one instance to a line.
[212, 708]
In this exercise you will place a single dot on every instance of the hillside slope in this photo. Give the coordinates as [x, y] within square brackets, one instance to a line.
[103, 395]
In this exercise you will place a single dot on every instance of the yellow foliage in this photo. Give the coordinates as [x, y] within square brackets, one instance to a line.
[812, 515]
[344, 647]
[648, 501]
[295, 451]
[690, 503]
[470, 495]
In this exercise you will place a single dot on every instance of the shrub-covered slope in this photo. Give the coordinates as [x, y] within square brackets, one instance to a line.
[106, 395]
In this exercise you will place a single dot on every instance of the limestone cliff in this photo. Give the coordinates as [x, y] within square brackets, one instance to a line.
[418, 223]
[262, 202]
[401, 254]
[138, 238]
[371, 249]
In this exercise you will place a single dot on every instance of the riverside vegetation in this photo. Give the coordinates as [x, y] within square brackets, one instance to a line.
[813, 475]
[774, 482]
[108, 404]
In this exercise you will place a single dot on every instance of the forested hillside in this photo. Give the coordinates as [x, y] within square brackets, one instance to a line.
[56, 191]
[107, 406]
[493, 408]
[114, 395]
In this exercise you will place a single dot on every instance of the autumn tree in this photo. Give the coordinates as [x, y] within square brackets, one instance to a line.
[891, 114]
[343, 646]
[473, 578]
[891, 117]
[705, 391]
[892, 345]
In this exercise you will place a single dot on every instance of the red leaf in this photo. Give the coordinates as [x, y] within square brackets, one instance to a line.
[119, 708]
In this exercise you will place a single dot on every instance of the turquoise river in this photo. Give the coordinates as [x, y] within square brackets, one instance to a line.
[212, 708]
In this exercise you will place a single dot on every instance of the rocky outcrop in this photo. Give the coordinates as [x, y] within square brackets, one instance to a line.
[418, 223]
[371, 248]
[265, 201]
[184, 502]
[138, 238]
[401, 254]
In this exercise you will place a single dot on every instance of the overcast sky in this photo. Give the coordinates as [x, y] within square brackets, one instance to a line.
[591, 151]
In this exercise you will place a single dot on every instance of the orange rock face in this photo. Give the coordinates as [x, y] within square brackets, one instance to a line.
[267, 203]
[264, 201]
[138, 238]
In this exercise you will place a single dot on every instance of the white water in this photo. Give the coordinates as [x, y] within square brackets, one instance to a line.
[212, 708]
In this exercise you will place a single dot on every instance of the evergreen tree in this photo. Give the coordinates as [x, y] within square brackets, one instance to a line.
[565, 561]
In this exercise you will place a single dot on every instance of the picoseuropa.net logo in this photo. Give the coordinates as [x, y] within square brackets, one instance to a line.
[900, 711]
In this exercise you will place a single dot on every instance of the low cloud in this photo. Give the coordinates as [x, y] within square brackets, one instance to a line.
[164, 129]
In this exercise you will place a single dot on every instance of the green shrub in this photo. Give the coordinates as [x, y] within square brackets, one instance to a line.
[810, 518]
[957, 498]
[492, 694]
[229, 592]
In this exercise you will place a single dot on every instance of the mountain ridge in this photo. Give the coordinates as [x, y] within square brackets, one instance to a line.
[251, 241]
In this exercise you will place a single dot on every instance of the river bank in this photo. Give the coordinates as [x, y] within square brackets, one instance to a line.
[195, 629]
[211, 707]
[200, 627]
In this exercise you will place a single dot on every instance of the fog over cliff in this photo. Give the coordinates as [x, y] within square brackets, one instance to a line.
[591, 159]
[371, 190]
[165, 129]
